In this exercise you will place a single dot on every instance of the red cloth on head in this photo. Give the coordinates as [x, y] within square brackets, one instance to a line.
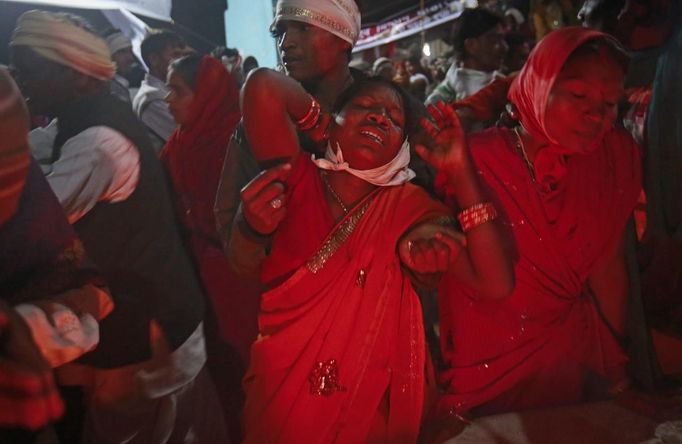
[194, 158]
[531, 89]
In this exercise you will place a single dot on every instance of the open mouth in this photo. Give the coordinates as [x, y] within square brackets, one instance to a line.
[377, 138]
[290, 60]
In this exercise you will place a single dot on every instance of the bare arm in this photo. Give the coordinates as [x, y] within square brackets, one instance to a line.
[271, 104]
[485, 265]
[609, 284]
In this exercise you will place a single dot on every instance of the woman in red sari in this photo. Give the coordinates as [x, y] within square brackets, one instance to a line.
[566, 180]
[341, 354]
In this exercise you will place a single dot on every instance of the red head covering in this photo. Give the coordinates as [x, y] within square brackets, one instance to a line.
[530, 92]
[194, 154]
[215, 108]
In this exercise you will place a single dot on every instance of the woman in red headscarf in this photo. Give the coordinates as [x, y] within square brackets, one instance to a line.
[566, 180]
[204, 100]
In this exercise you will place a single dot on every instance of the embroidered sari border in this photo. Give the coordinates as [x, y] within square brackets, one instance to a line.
[338, 237]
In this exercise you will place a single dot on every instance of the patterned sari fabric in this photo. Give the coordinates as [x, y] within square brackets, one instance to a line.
[341, 347]
[546, 343]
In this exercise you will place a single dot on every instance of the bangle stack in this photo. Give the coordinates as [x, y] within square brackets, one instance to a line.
[312, 117]
[476, 215]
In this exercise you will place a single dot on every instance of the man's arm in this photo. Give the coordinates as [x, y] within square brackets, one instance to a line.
[99, 164]
[609, 284]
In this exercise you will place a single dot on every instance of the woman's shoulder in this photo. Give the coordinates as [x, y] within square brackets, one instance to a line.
[415, 199]
[489, 143]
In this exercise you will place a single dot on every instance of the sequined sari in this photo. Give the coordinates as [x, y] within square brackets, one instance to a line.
[341, 335]
[546, 343]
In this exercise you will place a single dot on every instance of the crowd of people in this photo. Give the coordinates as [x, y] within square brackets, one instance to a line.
[232, 253]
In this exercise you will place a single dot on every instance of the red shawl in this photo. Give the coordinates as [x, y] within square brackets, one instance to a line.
[194, 157]
[343, 334]
[538, 346]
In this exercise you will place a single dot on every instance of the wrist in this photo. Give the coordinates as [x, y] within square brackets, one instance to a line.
[249, 232]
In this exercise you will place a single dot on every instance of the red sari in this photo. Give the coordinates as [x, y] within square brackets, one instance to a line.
[194, 157]
[341, 347]
[540, 346]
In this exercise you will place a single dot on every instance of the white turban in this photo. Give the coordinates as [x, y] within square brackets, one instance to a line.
[339, 17]
[118, 41]
[58, 39]
[516, 14]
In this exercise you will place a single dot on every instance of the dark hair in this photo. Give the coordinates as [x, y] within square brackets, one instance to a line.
[249, 63]
[472, 23]
[603, 46]
[220, 51]
[157, 42]
[187, 67]
[515, 39]
[361, 84]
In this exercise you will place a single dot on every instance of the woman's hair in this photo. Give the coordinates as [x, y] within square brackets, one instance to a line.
[605, 48]
[187, 67]
[362, 84]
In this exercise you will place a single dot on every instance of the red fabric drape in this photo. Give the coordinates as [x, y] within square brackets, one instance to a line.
[194, 157]
[537, 347]
[358, 310]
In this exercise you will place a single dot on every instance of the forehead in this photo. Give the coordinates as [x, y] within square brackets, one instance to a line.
[593, 65]
[495, 32]
[284, 24]
[380, 93]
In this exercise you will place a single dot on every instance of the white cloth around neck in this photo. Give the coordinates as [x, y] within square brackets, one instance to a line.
[395, 172]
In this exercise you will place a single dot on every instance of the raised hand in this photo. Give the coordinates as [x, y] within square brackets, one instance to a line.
[449, 150]
[264, 200]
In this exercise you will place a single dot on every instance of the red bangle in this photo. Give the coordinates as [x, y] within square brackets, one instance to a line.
[312, 116]
[476, 215]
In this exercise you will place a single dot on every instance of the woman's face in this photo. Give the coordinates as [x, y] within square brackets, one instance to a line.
[369, 128]
[584, 99]
[179, 98]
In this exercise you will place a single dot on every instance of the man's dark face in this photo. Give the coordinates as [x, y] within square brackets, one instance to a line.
[309, 52]
[45, 85]
[161, 60]
[489, 49]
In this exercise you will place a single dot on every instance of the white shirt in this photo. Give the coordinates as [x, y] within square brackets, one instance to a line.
[150, 106]
[97, 165]
[461, 83]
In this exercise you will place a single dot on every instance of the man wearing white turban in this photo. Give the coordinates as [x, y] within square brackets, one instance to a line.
[121, 49]
[314, 38]
[145, 382]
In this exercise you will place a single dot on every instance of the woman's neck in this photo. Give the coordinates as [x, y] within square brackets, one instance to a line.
[531, 145]
[348, 188]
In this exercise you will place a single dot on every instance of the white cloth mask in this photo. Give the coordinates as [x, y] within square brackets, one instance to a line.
[393, 173]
